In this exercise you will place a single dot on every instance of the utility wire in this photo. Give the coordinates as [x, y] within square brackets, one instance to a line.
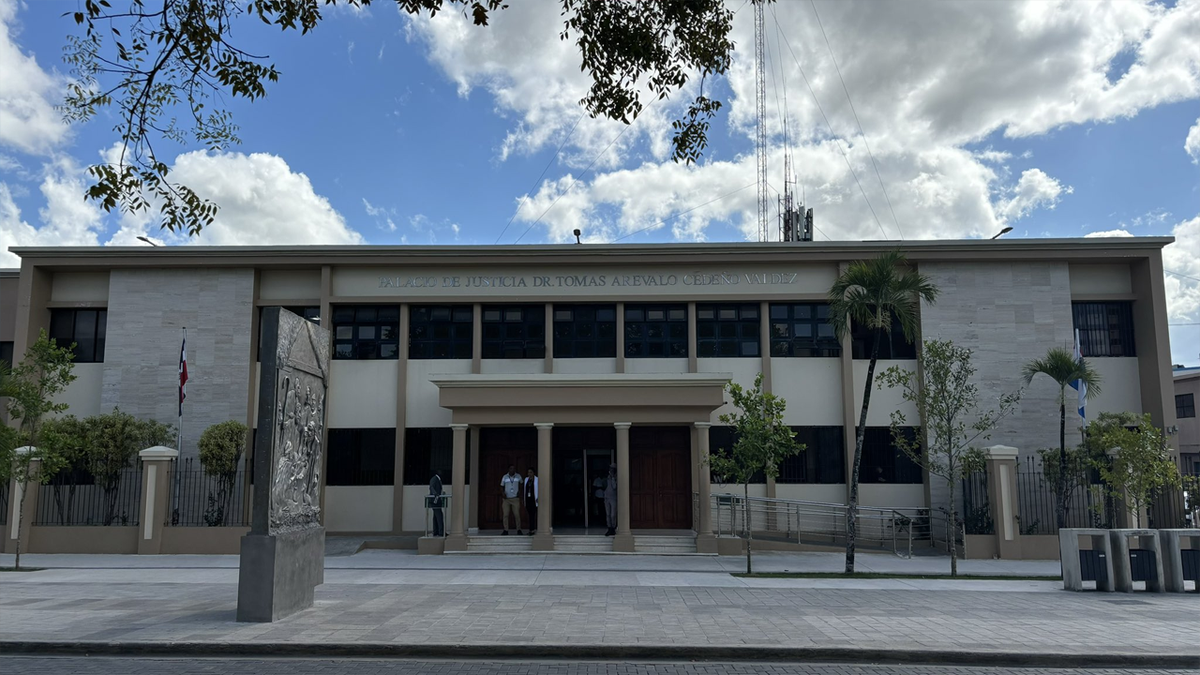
[856, 120]
[543, 174]
[833, 135]
[1181, 275]
[681, 213]
[575, 180]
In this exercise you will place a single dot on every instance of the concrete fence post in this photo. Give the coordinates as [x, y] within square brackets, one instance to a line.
[156, 476]
[13, 533]
[1002, 498]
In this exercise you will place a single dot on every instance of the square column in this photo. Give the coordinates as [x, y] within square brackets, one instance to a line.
[623, 541]
[1002, 497]
[157, 465]
[544, 539]
[705, 541]
[456, 539]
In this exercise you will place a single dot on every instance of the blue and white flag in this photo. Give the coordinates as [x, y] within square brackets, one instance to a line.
[1079, 385]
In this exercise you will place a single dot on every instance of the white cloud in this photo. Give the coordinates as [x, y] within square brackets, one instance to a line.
[384, 218]
[28, 121]
[1182, 258]
[1108, 233]
[65, 219]
[922, 93]
[1191, 144]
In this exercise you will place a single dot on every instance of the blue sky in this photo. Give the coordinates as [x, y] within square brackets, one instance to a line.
[1058, 119]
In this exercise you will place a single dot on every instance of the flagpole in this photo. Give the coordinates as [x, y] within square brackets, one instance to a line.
[179, 433]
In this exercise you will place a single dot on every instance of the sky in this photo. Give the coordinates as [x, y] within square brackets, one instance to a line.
[902, 120]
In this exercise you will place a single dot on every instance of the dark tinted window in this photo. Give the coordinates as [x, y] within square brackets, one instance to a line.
[822, 461]
[1185, 405]
[802, 329]
[361, 457]
[892, 344]
[1105, 328]
[654, 331]
[85, 328]
[427, 449]
[6, 353]
[721, 439]
[514, 331]
[366, 332]
[883, 462]
[440, 331]
[727, 330]
[585, 331]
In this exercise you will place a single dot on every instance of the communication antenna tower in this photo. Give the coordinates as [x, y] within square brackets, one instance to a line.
[760, 91]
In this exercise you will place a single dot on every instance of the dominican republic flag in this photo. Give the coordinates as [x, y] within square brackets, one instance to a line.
[1079, 385]
[183, 372]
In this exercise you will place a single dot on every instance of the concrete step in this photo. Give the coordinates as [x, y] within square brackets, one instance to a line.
[664, 544]
[582, 544]
[509, 544]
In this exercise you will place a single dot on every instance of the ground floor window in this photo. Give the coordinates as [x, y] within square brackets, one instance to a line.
[429, 449]
[361, 457]
[721, 440]
[822, 461]
[883, 462]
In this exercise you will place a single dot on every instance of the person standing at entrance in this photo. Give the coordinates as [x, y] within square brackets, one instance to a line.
[511, 484]
[531, 500]
[435, 504]
[610, 500]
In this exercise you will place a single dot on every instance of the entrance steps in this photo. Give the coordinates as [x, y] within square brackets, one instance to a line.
[510, 544]
[578, 543]
[663, 543]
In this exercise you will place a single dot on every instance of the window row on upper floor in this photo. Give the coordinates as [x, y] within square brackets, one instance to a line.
[651, 330]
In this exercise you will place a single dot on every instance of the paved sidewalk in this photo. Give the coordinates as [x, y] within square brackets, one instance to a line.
[383, 601]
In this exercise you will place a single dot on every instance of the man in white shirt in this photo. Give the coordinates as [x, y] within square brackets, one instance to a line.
[511, 485]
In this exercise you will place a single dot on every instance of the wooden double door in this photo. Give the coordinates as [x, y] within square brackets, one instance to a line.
[500, 448]
[660, 495]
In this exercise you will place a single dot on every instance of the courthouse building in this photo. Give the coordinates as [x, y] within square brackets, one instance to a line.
[567, 358]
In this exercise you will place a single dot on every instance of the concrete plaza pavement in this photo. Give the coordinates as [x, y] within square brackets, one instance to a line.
[381, 602]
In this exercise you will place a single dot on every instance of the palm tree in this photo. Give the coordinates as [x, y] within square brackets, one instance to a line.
[874, 294]
[1061, 366]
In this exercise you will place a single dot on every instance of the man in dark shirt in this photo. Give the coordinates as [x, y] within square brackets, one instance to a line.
[435, 503]
[531, 499]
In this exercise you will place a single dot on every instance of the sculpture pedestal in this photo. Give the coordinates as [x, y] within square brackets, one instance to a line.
[279, 573]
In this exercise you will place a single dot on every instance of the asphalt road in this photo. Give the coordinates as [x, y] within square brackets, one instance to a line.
[103, 665]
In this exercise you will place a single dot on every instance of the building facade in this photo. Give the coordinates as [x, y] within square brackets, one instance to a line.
[565, 359]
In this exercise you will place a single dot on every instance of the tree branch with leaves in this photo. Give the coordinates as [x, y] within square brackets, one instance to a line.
[947, 399]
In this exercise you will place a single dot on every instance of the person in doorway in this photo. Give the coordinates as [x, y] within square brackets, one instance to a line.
[435, 504]
[610, 500]
[531, 500]
[597, 500]
[511, 485]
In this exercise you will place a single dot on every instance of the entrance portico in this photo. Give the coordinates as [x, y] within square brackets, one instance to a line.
[660, 409]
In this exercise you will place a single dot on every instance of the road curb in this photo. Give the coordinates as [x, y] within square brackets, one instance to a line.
[602, 652]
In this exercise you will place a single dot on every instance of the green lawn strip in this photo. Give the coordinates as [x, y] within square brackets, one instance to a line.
[883, 575]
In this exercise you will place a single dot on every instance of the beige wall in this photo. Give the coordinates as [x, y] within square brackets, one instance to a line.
[743, 371]
[883, 400]
[8, 309]
[1120, 387]
[79, 287]
[421, 396]
[362, 394]
[1189, 427]
[812, 389]
[1100, 279]
[285, 285]
[365, 508]
[670, 366]
[83, 395]
[512, 366]
[828, 494]
[585, 366]
[870, 494]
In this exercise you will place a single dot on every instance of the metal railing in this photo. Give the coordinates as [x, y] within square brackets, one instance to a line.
[432, 505]
[74, 501]
[206, 499]
[899, 529]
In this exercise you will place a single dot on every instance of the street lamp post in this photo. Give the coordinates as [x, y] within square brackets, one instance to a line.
[1006, 230]
[147, 240]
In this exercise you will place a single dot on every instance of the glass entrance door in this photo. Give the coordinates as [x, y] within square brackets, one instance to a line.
[580, 455]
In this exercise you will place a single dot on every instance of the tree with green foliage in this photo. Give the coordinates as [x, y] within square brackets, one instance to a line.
[874, 294]
[1061, 366]
[945, 396]
[169, 68]
[113, 443]
[65, 438]
[1140, 462]
[221, 448]
[43, 373]
[763, 443]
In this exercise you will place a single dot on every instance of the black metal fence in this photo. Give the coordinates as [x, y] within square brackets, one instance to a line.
[4, 502]
[1086, 505]
[206, 499]
[80, 499]
[977, 511]
[1176, 507]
